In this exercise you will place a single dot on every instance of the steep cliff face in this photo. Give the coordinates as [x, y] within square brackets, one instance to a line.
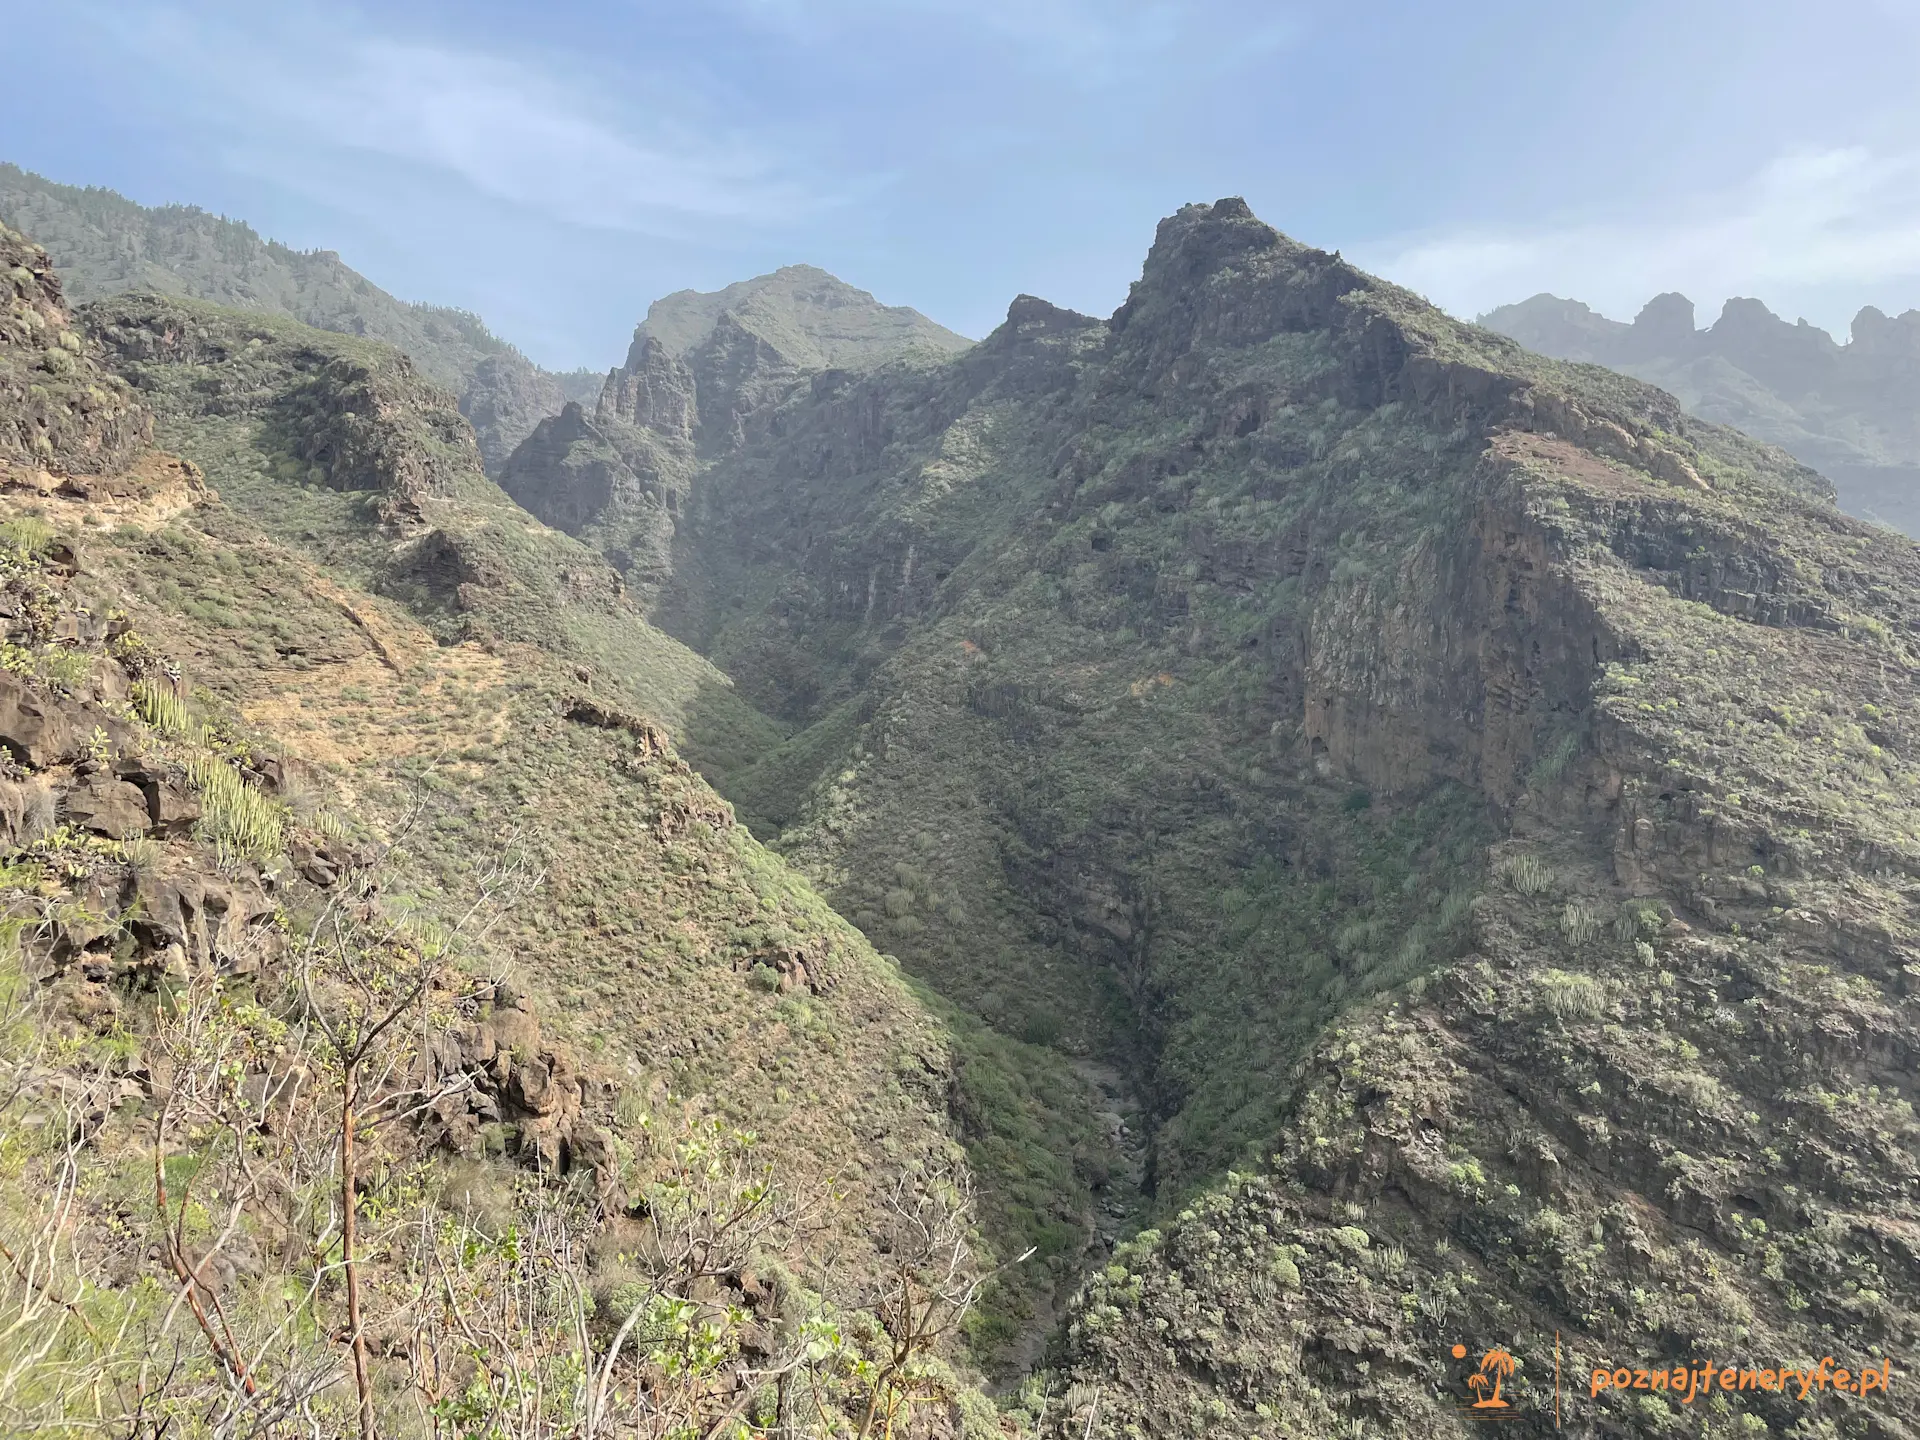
[572, 474]
[1463, 778]
[702, 370]
[1848, 409]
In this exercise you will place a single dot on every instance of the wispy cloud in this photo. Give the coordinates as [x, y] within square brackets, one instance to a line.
[512, 129]
[1092, 43]
[1810, 220]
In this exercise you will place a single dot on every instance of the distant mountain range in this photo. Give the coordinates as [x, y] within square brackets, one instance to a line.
[1851, 411]
[106, 244]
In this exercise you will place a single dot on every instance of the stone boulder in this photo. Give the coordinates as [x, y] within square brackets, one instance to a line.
[210, 917]
[34, 727]
[109, 807]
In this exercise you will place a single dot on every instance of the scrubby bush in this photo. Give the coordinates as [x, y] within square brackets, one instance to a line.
[1570, 996]
[1579, 923]
[1526, 873]
[163, 710]
[241, 821]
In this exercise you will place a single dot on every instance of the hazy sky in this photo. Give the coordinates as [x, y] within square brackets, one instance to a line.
[557, 166]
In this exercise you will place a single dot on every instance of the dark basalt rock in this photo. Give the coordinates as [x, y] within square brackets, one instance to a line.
[109, 807]
[34, 728]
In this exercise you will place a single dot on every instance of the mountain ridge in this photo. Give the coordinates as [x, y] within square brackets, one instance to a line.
[107, 244]
[1425, 770]
[1394, 843]
[1846, 409]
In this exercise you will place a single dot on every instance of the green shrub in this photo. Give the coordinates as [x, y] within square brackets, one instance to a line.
[240, 821]
[1042, 1028]
[1455, 911]
[1555, 760]
[1579, 923]
[27, 533]
[63, 668]
[1636, 918]
[1525, 872]
[1571, 996]
[142, 854]
[163, 710]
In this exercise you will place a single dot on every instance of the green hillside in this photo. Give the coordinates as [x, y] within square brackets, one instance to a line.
[1400, 851]
[105, 244]
[1425, 772]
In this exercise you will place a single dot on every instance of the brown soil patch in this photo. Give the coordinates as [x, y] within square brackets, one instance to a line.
[149, 493]
[1567, 461]
[404, 695]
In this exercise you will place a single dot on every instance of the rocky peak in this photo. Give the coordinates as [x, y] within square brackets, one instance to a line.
[655, 391]
[1874, 333]
[1192, 245]
[1555, 326]
[702, 364]
[815, 320]
[1792, 359]
[1666, 320]
[1029, 316]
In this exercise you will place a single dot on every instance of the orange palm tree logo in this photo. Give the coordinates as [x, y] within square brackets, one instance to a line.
[1496, 1365]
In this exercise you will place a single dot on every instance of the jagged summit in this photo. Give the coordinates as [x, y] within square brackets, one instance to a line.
[1848, 410]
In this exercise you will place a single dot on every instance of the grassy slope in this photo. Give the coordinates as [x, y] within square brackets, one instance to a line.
[656, 944]
[657, 902]
[105, 244]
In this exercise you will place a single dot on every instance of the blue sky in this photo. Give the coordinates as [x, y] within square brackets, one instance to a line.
[557, 166]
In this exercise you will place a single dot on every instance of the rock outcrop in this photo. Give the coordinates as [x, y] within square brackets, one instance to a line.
[573, 475]
[703, 372]
[58, 411]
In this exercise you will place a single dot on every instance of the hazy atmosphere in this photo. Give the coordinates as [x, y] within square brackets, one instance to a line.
[959, 720]
[555, 168]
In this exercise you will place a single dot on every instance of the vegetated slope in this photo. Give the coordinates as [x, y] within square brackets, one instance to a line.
[816, 320]
[1472, 797]
[105, 244]
[1852, 411]
[663, 924]
[367, 626]
[447, 638]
